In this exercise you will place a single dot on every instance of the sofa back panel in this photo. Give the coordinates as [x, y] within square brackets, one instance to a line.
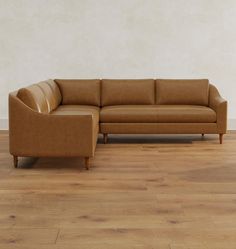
[182, 92]
[56, 92]
[49, 95]
[34, 97]
[128, 92]
[79, 92]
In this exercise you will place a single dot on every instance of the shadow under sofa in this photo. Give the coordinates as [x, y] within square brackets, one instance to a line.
[62, 117]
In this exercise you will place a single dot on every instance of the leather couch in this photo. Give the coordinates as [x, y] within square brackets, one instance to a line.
[62, 118]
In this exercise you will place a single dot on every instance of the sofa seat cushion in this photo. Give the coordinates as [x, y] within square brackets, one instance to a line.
[185, 114]
[157, 114]
[129, 114]
[78, 110]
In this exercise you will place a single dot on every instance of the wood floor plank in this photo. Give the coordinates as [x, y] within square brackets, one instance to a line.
[109, 236]
[28, 236]
[93, 246]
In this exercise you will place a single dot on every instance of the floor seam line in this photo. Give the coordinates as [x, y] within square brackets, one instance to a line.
[57, 236]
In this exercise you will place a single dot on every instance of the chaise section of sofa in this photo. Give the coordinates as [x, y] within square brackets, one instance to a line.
[40, 126]
[62, 117]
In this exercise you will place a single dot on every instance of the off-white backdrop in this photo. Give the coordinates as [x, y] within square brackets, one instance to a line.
[41, 39]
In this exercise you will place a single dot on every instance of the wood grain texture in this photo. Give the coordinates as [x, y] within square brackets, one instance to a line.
[141, 192]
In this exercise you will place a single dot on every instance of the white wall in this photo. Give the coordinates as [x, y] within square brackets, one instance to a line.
[42, 39]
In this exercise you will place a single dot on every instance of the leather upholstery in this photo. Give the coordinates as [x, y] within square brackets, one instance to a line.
[79, 92]
[157, 114]
[56, 93]
[128, 92]
[41, 135]
[182, 92]
[219, 105]
[34, 97]
[49, 95]
[44, 122]
[158, 128]
[78, 110]
[129, 114]
[185, 114]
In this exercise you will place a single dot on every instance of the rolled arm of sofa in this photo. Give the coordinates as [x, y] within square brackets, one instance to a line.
[219, 105]
[36, 134]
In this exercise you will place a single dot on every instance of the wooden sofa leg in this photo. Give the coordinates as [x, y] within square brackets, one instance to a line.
[86, 161]
[203, 134]
[105, 137]
[221, 138]
[15, 160]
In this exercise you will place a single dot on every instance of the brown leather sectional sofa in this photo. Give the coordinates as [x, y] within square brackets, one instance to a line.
[62, 118]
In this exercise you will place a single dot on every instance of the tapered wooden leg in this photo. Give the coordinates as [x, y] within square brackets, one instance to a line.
[221, 138]
[15, 160]
[105, 137]
[86, 161]
[203, 134]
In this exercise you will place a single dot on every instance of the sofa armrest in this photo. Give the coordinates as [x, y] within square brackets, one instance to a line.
[219, 105]
[36, 134]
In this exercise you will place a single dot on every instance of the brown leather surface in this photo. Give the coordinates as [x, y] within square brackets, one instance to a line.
[128, 92]
[219, 105]
[56, 92]
[39, 126]
[185, 114]
[49, 95]
[79, 92]
[157, 113]
[34, 97]
[159, 128]
[78, 110]
[128, 114]
[182, 92]
[37, 134]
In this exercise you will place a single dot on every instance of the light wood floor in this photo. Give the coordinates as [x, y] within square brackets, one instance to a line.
[161, 192]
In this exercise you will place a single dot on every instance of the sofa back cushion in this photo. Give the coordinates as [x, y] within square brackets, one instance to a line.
[51, 93]
[42, 97]
[182, 92]
[128, 92]
[79, 92]
[56, 93]
[34, 97]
